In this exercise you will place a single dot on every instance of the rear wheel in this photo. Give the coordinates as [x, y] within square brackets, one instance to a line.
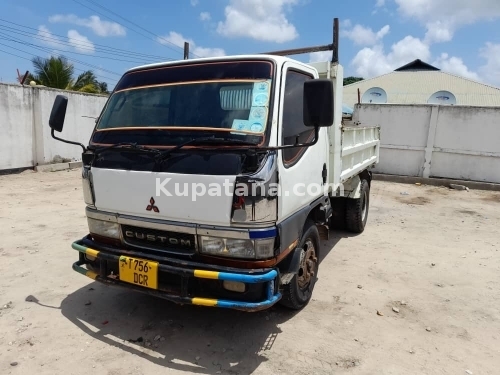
[298, 292]
[357, 209]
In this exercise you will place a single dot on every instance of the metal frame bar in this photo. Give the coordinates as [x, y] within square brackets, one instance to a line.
[334, 46]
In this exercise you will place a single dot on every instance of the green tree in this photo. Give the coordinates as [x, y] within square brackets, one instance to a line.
[85, 82]
[57, 72]
[54, 72]
[103, 87]
[351, 80]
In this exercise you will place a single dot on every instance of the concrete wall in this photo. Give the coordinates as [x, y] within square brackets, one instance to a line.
[457, 142]
[25, 139]
[16, 127]
[417, 140]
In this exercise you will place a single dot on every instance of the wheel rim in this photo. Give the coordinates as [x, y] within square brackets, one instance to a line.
[364, 210]
[307, 269]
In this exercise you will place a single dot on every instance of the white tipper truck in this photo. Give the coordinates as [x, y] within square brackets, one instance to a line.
[213, 181]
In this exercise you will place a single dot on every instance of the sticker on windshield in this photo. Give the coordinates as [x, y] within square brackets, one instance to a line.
[260, 94]
[257, 119]
[261, 86]
[257, 113]
[256, 127]
[241, 125]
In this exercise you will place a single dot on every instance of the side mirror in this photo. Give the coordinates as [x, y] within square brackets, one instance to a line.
[56, 120]
[318, 103]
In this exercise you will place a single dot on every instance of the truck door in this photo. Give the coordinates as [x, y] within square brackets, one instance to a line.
[300, 169]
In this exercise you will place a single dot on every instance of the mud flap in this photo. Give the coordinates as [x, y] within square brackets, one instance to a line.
[293, 266]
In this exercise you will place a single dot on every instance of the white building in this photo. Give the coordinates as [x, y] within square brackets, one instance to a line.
[421, 83]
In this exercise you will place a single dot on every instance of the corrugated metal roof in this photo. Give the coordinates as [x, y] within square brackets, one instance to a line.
[415, 87]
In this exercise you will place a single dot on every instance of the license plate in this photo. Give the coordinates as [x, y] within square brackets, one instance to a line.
[139, 272]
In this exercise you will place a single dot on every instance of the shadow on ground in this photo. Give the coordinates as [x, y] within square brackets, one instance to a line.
[188, 338]
[199, 340]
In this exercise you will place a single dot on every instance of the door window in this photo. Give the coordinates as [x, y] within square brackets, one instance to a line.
[294, 130]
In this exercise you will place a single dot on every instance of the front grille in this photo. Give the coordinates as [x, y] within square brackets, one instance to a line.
[161, 240]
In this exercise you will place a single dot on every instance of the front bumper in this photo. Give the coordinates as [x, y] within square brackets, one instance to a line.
[183, 282]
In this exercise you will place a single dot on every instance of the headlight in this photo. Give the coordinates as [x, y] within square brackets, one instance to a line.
[237, 248]
[104, 228]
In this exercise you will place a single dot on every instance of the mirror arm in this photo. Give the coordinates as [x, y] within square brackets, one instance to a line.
[65, 141]
[296, 145]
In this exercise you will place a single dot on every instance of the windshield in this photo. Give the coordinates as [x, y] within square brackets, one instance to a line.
[229, 99]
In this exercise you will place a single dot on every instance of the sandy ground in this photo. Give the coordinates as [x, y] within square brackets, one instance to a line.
[432, 254]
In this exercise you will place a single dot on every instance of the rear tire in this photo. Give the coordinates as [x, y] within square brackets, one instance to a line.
[357, 210]
[298, 292]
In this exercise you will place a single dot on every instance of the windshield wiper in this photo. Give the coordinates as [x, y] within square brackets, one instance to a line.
[128, 146]
[165, 154]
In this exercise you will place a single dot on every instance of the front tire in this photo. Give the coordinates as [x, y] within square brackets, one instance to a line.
[357, 210]
[298, 292]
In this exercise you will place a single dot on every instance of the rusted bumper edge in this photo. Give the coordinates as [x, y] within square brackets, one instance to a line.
[269, 278]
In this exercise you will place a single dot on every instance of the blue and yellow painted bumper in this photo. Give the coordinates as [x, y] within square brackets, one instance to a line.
[189, 273]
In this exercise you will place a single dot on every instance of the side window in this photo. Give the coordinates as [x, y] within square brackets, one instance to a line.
[293, 125]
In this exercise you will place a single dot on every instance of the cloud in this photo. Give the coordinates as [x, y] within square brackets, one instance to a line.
[365, 36]
[346, 23]
[205, 16]
[178, 40]
[438, 32]
[380, 3]
[79, 42]
[99, 27]
[47, 37]
[442, 18]
[320, 56]
[491, 70]
[262, 20]
[455, 65]
[194, 2]
[373, 61]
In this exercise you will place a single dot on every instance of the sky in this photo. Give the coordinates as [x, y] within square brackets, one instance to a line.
[377, 36]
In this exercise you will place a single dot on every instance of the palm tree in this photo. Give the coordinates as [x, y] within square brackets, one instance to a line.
[57, 72]
[53, 72]
[85, 82]
[103, 87]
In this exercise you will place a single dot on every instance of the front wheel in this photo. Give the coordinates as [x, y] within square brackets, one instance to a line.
[298, 292]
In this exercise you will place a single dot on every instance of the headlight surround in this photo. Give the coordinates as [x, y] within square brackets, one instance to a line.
[104, 228]
[88, 194]
[237, 247]
[264, 248]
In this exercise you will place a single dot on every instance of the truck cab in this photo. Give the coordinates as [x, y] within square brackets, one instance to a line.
[213, 181]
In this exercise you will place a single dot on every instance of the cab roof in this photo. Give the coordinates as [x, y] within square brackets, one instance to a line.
[278, 59]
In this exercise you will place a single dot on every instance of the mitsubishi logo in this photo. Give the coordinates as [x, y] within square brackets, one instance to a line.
[152, 206]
